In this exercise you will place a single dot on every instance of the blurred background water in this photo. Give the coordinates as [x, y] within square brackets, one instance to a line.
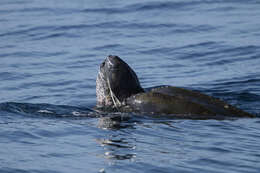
[50, 53]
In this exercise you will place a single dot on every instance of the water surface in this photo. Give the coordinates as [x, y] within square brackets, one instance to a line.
[50, 52]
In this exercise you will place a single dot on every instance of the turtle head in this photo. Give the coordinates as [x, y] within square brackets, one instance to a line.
[116, 81]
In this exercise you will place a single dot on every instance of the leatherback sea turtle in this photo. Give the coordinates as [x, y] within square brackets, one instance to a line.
[118, 89]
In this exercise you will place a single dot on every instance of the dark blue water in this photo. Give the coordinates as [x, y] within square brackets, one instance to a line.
[50, 52]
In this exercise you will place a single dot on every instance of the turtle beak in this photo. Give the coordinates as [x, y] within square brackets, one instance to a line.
[112, 61]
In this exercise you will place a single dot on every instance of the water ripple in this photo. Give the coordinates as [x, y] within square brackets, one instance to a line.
[51, 51]
[157, 5]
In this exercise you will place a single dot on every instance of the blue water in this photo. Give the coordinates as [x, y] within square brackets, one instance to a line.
[50, 53]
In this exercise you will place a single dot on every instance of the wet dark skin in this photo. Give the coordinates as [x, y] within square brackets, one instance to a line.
[118, 87]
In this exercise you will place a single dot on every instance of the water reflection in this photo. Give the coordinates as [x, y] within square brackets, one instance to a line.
[117, 149]
[119, 144]
[115, 121]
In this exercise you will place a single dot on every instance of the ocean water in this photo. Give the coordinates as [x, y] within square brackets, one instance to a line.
[50, 53]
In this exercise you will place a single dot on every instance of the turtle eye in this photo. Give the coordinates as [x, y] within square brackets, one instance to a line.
[102, 64]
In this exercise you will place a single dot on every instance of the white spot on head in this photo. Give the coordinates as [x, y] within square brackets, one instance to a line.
[138, 101]
[226, 106]
[109, 62]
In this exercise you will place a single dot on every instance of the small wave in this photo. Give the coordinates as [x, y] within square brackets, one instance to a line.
[46, 110]
[35, 54]
[235, 83]
[215, 53]
[13, 76]
[156, 5]
[28, 30]
[108, 46]
[172, 51]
